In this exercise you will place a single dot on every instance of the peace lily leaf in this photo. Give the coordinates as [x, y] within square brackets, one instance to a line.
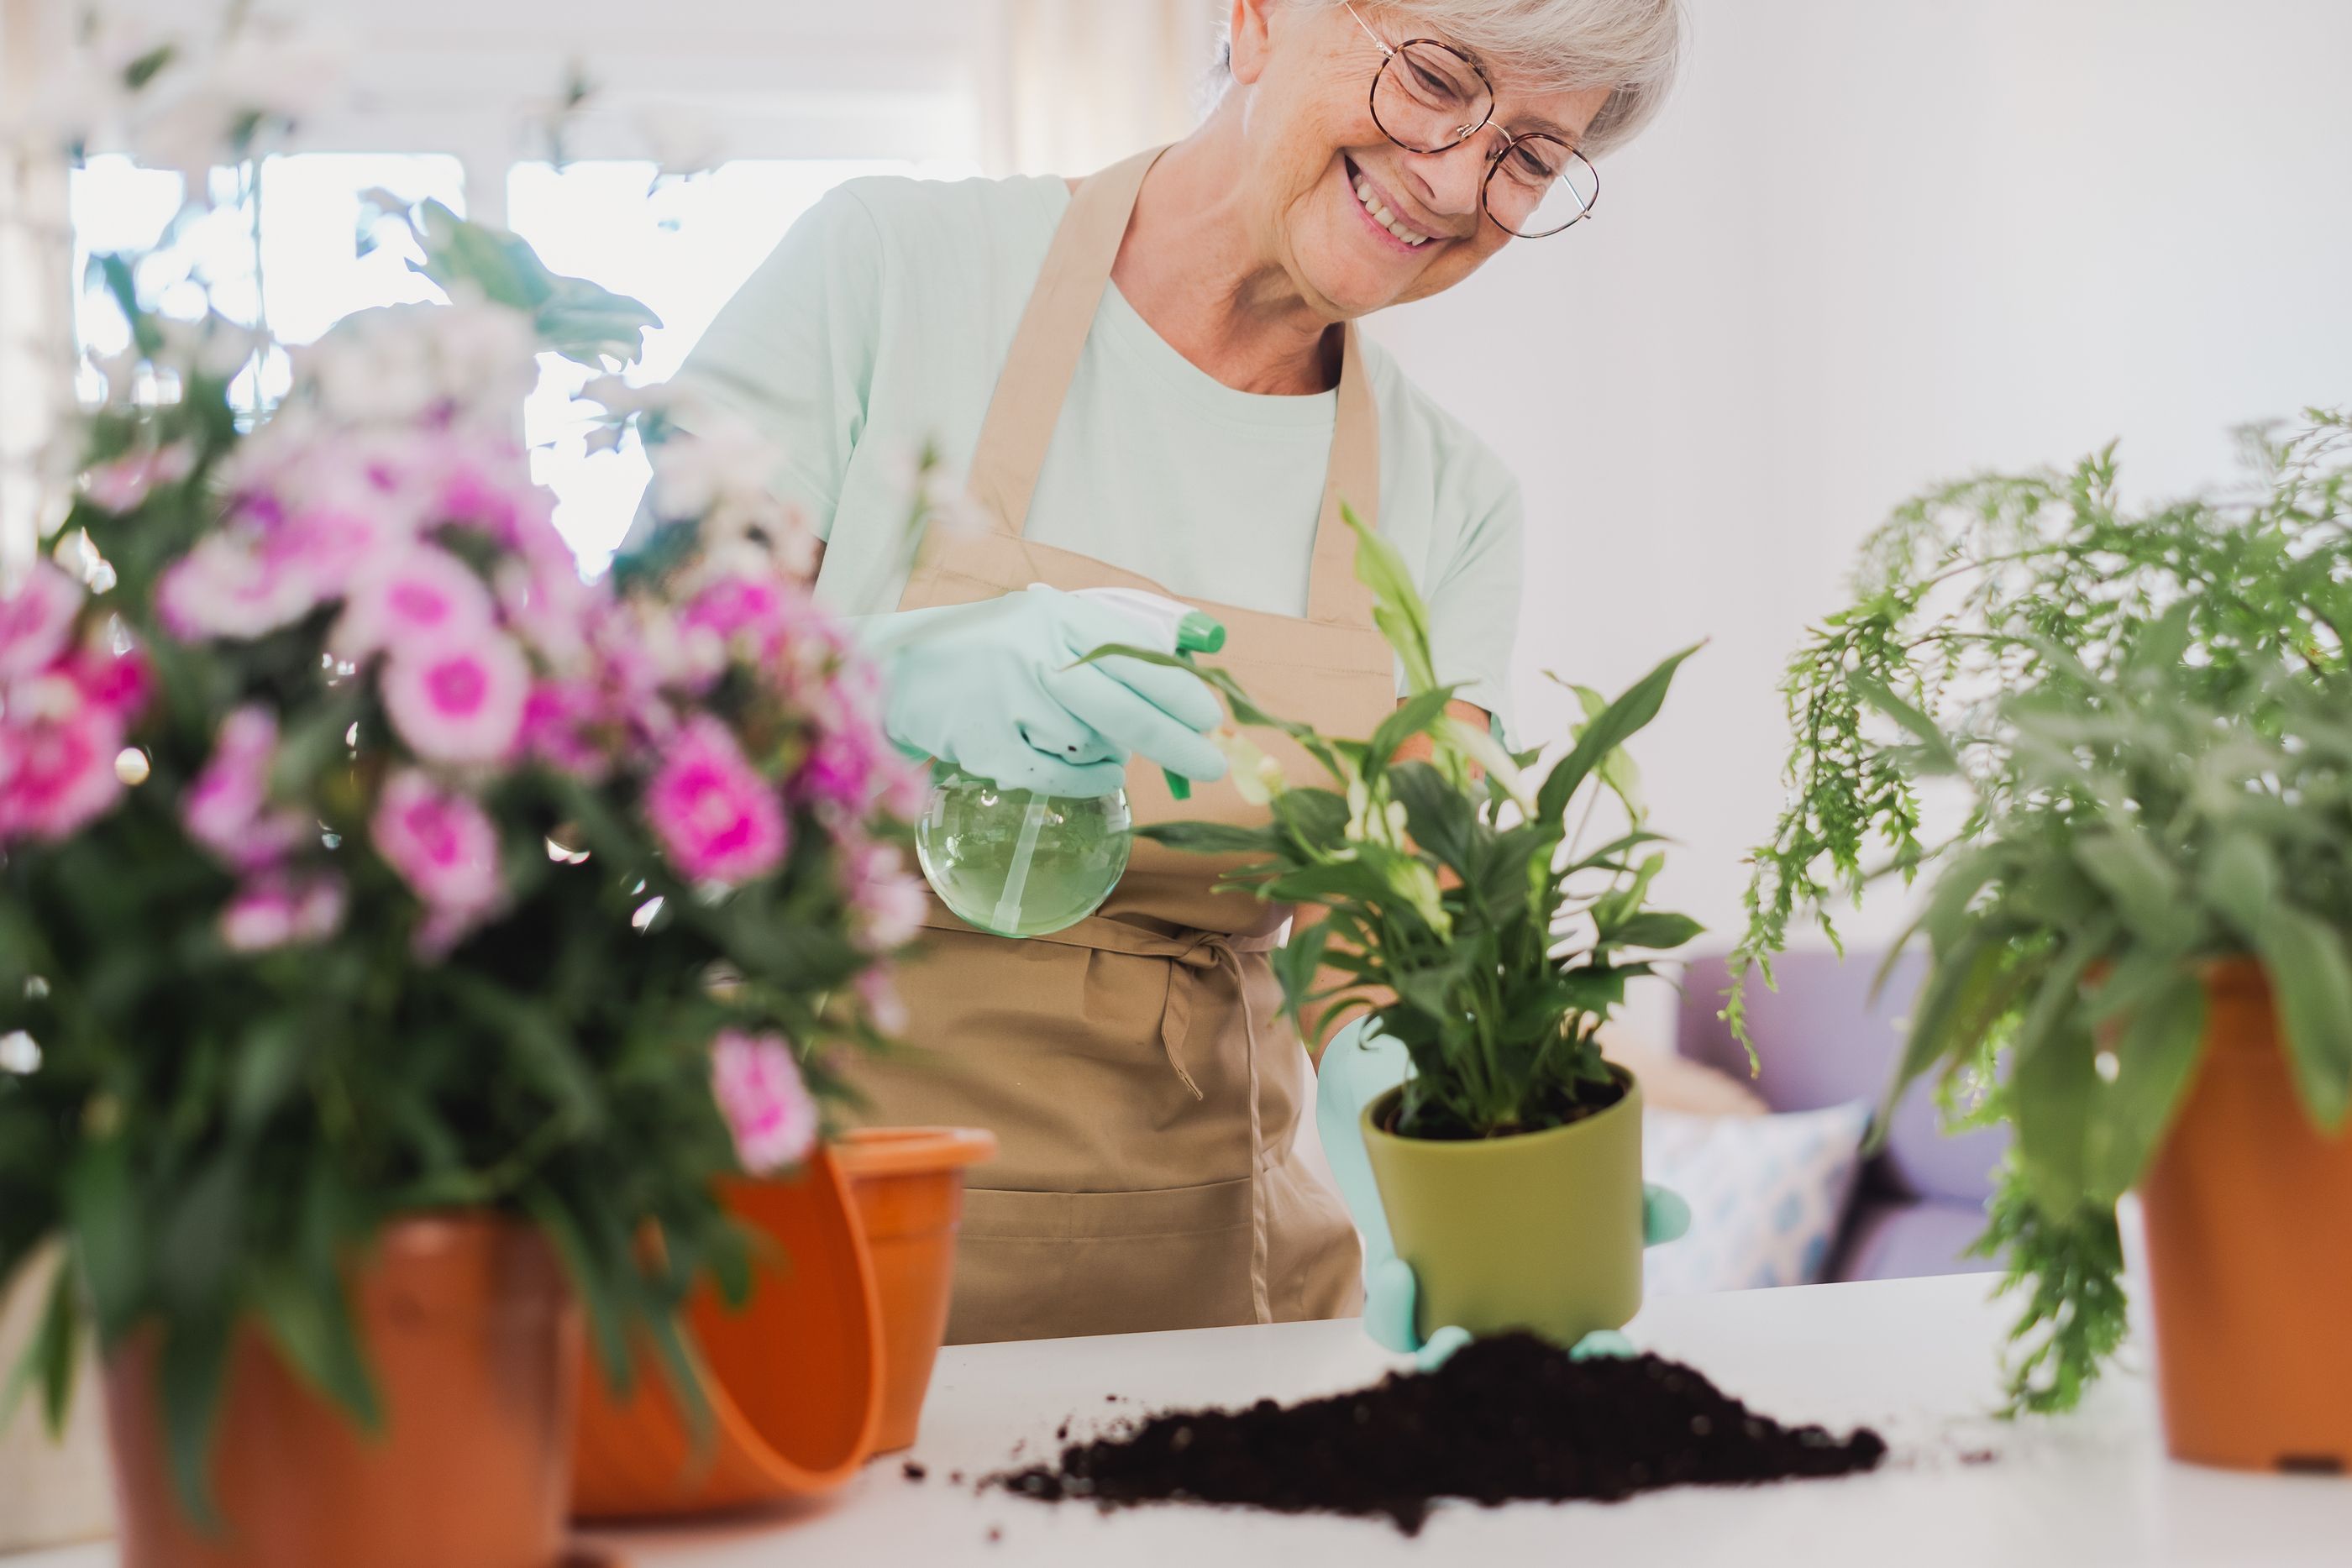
[1615, 725]
[1616, 772]
[1481, 746]
[1399, 608]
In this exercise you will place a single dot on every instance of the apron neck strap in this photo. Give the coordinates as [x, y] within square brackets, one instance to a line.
[1046, 346]
[1044, 359]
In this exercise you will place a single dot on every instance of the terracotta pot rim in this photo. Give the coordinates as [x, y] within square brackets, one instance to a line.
[911, 1151]
[2235, 972]
[1455, 1148]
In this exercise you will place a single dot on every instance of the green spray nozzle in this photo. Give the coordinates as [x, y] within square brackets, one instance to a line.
[1200, 633]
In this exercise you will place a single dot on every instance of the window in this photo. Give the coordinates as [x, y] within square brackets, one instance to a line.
[317, 267]
[683, 248]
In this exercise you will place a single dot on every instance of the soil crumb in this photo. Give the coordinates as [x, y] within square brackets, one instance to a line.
[1506, 1418]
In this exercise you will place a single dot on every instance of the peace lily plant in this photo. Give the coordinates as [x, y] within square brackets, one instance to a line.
[2142, 714]
[1458, 901]
[359, 861]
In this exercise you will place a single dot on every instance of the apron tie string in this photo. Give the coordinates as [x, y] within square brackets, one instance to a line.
[1211, 950]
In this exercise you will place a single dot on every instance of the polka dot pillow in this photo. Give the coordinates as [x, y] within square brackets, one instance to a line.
[1767, 1196]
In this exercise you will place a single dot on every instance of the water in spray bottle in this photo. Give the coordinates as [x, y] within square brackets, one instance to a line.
[1020, 863]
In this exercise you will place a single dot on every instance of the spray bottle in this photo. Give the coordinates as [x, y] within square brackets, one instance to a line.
[1020, 863]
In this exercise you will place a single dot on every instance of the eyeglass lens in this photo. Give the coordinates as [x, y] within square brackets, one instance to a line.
[1428, 98]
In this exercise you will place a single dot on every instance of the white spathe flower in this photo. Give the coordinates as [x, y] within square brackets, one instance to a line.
[1257, 778]
[1368, 821]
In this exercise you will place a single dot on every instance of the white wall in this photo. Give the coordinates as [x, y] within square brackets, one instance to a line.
[1871, 243]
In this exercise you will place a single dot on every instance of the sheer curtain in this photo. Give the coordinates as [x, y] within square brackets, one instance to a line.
[35, 278]
[1082, 83]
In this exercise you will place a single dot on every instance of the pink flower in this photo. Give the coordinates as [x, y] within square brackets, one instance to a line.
[752, 613]
[716, 816]
[227, 808]
[37, 619]
[274, 911]
[767, 1106]
[225, 588]
[423, 596]
[888, 903]
[57, 763]
[334, 549]
[883, 1005]
[459, 702]
[562, 726]
[444, 847]
[122, 485]
[121, 682]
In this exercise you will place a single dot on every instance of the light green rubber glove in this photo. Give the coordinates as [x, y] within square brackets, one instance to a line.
[997, 689]
[1359, 1065]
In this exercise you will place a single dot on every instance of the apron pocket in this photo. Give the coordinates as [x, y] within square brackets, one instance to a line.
[1041, 1265]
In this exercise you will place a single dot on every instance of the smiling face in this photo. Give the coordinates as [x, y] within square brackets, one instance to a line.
[1358, 222]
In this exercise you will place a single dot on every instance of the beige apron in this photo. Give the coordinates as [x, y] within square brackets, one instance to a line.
[1146, 1093]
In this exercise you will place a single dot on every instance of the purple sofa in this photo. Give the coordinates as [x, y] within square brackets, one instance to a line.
[1824, 1040]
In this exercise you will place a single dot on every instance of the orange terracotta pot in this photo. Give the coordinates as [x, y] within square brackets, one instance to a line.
[475, 1341]
[909, 1185]
[2249, 1254]
[794, 1378]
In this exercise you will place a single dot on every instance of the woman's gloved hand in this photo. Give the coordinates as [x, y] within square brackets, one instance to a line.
[996, 689]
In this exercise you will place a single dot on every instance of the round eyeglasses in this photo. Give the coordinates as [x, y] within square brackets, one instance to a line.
[1430, 97]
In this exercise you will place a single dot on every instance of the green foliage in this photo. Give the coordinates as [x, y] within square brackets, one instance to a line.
[2143, 712]
[1458, 903]
[583, 321]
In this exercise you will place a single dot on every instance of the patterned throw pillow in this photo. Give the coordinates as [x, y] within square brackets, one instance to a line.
[1767, 1195]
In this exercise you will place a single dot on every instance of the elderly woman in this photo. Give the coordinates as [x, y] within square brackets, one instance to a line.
[1152, 379]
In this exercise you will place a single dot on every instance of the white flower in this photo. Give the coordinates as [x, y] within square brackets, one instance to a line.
[399, 363]
[1257, 778]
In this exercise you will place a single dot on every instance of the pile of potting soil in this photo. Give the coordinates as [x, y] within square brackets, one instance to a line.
[1505, 1418]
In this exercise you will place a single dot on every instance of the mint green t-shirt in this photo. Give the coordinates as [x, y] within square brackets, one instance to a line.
[880, 322]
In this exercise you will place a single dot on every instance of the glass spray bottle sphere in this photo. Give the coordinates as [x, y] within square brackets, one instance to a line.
[1017, 862]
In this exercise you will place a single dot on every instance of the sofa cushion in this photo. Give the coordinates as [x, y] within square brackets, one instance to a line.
[1903, 1238]
[1767, 1196]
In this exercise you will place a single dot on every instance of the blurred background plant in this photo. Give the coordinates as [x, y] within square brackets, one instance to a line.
[1483, 933]
[358, 858]
[2143, 712]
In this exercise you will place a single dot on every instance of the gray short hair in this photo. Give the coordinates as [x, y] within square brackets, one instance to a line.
[1633, 47]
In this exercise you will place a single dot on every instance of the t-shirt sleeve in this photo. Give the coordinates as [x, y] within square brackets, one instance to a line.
[794, 352]
[1474, 606]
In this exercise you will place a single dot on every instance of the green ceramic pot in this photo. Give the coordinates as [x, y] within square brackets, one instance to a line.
[1540, 1231]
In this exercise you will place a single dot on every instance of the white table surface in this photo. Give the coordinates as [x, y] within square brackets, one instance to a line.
[1916, 1358]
